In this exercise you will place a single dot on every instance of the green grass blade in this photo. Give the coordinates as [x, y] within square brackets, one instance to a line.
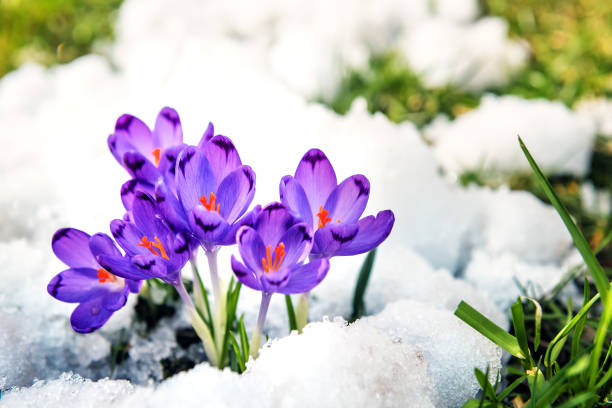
[537, 317]
[518, 322]
[362, 284]
[237, 353]
[578, 400]
[483, 380]
[244, 339]
[291, 313]
[502, 395]
[600, 337]
[580, 324]
[597, 272]
[489, 329]
[604, 243]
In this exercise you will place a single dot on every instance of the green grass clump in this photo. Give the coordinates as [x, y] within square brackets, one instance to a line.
[52, 31]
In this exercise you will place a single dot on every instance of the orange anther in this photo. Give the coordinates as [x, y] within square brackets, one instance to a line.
[323, 218]
[144, 242]
[268, 264]
[104, 276]
[210, 203]
[157, 154]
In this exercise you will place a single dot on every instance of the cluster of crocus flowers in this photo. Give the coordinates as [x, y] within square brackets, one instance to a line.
[181, 198]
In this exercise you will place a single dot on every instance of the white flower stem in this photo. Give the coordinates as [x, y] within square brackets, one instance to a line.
[219, 300]
[261, 318]
[301, 311]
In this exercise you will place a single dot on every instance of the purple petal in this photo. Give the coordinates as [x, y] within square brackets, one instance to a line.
[331, 238]
[122, 266]
[71, 246]
[144, 215]
[297, 241]
[245, 275]
[247, 220]
[76, 285]
[235, 193]
[272, 223]
[134, 285]
[317, 177]
[171, 209]
[222, 156]
[129, 188]
[167, 165]
[127, 236]
[103, 244]
[90, 316]
[252, 249]
[347, 202]
[168, 131]
[194, 178]
[152, 266]
[131, 134]
[372, 232]
[115, 300]
[180, 251]
[140, 167]
[208, 226]
[273, 281]
[305, 277]
[208, 134]
[293, 196]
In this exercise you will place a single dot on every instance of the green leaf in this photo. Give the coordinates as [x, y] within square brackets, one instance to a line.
[244, 339]
[362, 284]
[600, 337]
[518, 322]
[237, 352]
[597, 272]
[483, 380]
[489, 329]
[580, 324]
[537, 317]
[290, 313]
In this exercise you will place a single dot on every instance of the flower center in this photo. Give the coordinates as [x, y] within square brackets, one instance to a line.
[150, 245]
[270, 265]
[210, 203]
[104, 276]
[157, 155]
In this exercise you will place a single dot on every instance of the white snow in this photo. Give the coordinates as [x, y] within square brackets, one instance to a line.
[485, 139]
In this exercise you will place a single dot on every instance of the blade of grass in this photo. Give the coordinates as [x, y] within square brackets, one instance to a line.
[362, 284]
[483, 380]
[518, 322]
[244, 339]
[489, 329]
[237, 352]
[290, 313]
[600, 337]
[597, 272]
[502, 395]
[580, 324]
[537, 317]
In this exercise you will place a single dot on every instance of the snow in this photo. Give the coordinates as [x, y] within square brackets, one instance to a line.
[485, 139]
[251, 70]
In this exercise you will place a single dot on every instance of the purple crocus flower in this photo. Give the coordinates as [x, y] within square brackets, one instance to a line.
[148, 155]
[333, 209]
[153, 250]
[98, 292]
[215, 190]
[273, 251]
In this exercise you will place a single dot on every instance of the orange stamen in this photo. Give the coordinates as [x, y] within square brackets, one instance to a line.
[210, 206]
[268, 264]
[323, 217]
[104, 276]
[144, 242]
[157, 154]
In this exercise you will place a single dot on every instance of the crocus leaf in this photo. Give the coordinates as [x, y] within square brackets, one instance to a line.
[362, 284]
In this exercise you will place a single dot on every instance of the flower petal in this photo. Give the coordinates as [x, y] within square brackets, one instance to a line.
[208, 226]
[222, 156]
[153, 266]
[317, 177]
[252, 249]
[293, 196]
[167, 165]
[194, 178]
[90, 316]
[103, 244]
[76, 285]
[208, 134]
[131, 134]
[245, 275]
[235, 193]
[372, 232]
[129, 188]
[115, 300]
[272, 223]
[133, 285]
[168, 131]
[140, 167]
[127, 236]
[248, 219]
[122, 266]
[305, 277]
[71, 246]
[347, 202]
[298, 242]
[331, 238]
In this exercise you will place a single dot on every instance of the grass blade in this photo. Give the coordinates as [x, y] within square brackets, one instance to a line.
[597, 272]
[518, 322]
[291, 313]
[362, 284]
[489, 329]
[239, 356]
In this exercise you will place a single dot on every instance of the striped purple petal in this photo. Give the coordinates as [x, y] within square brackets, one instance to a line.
[347, 202]
[245, 275]
[195, 178]
[168, 131]
[332, 238]
[305, 277]
[372, 232]
[222, 156]
[317, 177]
[235, 193]
[90, 316]
[71, 246]
[293, 196]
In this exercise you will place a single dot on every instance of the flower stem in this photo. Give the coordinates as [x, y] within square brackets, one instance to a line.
[197, 281]
[211, 255]
[219, 313]
[261, 318]
[301, 311]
